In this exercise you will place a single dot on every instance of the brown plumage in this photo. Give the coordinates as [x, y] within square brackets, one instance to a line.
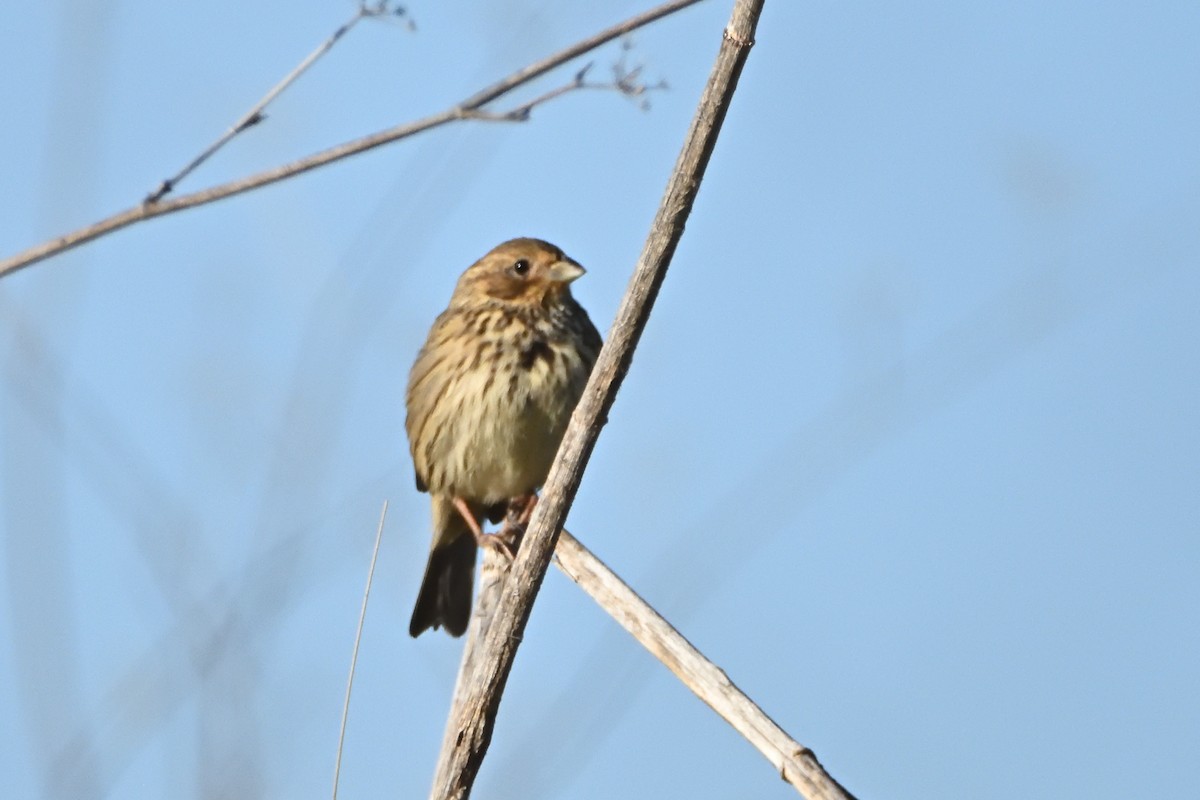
[488, 399]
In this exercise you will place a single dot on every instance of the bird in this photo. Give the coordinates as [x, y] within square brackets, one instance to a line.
[488, 401]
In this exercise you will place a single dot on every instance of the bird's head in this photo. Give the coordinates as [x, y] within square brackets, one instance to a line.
[523, 271]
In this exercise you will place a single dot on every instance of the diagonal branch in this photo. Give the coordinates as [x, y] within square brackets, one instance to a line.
[475, 719]
[796, 764]
[255, 114]
[463, 111]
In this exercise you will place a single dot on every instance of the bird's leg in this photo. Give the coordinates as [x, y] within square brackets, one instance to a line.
[520, 509]
[531, 501]
[482, 539]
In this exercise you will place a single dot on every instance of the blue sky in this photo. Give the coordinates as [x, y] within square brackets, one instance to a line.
[910, 446]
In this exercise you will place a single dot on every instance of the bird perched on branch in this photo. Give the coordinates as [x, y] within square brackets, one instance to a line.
[488, 400]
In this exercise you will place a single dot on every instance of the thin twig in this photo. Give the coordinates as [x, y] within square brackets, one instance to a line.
[628, 80]
[462, 111]
[255, 114]
[521, 113]
[625, 84]
[362, 616]
[796, 764]
[459, 762]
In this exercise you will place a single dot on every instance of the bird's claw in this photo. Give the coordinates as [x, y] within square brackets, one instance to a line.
[498, 542]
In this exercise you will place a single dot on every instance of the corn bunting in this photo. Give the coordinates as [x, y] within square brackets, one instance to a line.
[488, 400]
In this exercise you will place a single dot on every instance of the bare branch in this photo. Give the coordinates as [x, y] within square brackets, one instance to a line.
[255, 114]
[627, 85]
[796, 764]
[521, 113]
[471, 728]
[462, 111]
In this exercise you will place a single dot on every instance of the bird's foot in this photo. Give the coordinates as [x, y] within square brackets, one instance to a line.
[516, 520]
[500, 541]
[491, 541]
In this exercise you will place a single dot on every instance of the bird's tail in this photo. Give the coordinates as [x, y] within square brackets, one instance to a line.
[446, 590]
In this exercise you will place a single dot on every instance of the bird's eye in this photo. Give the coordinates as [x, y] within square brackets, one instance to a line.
[521, 267]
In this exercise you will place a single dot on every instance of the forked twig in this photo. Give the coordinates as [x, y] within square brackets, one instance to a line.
[625, 83]
[462, 111]
[255, 114]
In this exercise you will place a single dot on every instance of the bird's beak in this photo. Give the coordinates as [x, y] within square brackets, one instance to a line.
[565, 271]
